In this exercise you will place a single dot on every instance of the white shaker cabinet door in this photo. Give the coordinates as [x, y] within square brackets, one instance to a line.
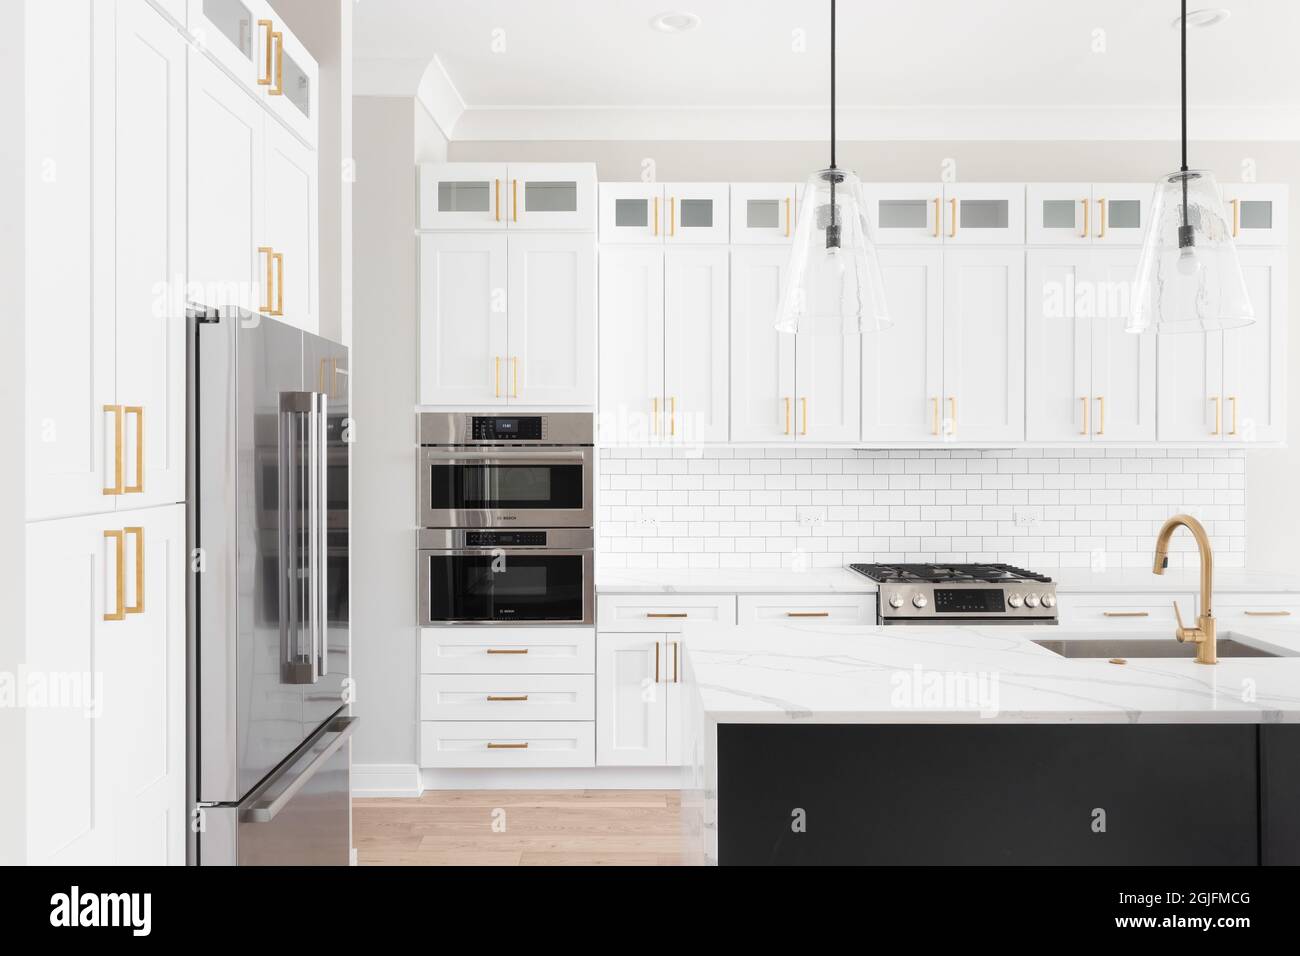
[696, 349]
[463, 349]
[551, 330]
[1123, 363]
[1058, 346]
[631, 344]
[464, 196]
[631, 700]
[291, 227]
[1190, 382]
[762, 359]
[1254, 357]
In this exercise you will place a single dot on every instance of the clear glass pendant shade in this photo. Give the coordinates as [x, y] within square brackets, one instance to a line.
[833, 285]
[1188, 277]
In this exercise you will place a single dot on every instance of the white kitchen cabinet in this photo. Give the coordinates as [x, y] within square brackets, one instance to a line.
[695, 349]
[984, 344]
[1087, 379]
[463, 351]
[106, 613]
[762, 358]
[657, 611]
[1233, 609]
[507, 650]
[507, 743]
[551, 319]
[545, 196]
[506, 697]
[1124, 608]
[906, 213]
[827, 404]
[763, 213]
[1190, 379]
[1121, 211]
[1257, 213]
[553, 196]
[902, 379]
[806, 608]
[983, 214]
[631, 344]
[668, 213]
[1072, 214]
[227, 30]
[632, 213]
[290, 226]
[698, 213]
[632, 677]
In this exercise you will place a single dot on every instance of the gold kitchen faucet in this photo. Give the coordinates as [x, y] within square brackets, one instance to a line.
[1203, 634]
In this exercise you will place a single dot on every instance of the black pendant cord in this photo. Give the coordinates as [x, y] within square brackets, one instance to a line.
[1183, 25]
[833, 81]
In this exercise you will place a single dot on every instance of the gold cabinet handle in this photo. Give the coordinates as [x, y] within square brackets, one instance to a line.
[138, 412]
[278, 39]
[138, 606]
[656, 202]
[116, 487]
[952, 226]
[803, 426]
[787, 414]
[268, 307]
[938, 216]
[1101, 414]
[1268, 613]
[662, 614]
[656, 662]
[1232, 400]
[787, 217]
[496, 389]
[279, 283]
[507, 650]
[495, 746]
[120, 589]
[1084, 400]
[507, 697]
[514, 367]
[1126, 613]
[952, 409]
[654, 415]
[1101, 217]
[1086, 206]
[672, 415]
[269, 27]
[514, 200]
[677, 673]
[934, 415]
[1218, 414]
[497, 201]
[1236, 217]
[807, 613]
[672, 215]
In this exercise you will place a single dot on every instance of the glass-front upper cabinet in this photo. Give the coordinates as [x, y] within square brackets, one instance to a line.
[227, 31]
[669, 213]
[632, 212]
[1256, 212]
[1069, 214]
[554, 196]
[763, 213]
[983, 213]
[905, 213]
[697, 213]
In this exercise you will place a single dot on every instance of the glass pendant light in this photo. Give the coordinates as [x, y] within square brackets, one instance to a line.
[833, 284]
[1188, 277]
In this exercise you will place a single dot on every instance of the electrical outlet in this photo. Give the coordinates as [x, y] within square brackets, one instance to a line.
[810, 515]
[1027, 516]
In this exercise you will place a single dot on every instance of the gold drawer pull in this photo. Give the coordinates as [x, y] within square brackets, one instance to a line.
[1101, 208]
[498, 200]
[934, 411]
[803, 427]
[1101, 415]
[1236, 217]
[677, 677]
[1126, 613]
[507, 697]
[1232, 400]
[787, 217]
[1218, 414]
[1084, 400]
[1084, 234]
[938, 217]
[787, 414]
[492, 746]
[952, 226]
[504, 650]
[1268, 613]
[119, 551]
[807, 613]
[666, 614]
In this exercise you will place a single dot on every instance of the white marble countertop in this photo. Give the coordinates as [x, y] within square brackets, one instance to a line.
[940, 674]
[1175, 579]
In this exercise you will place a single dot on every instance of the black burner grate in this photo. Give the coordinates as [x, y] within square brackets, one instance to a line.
[992, 573]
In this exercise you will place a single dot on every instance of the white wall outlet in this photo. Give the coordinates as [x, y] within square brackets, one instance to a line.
[810, 515]
[645, 521]
[1027, 516]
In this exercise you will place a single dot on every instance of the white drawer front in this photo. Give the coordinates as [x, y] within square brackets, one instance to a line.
[807, 608]
[1244, 609]
[540, 743]
[507, 697]
[507, 650]
[663, 611]
[1121, 608]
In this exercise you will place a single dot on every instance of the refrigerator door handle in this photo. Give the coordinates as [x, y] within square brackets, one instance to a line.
[297, 664]
[320, 549]
[264, 811]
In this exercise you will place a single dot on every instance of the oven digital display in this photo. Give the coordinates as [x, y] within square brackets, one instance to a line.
[969, 600]
[498, 428]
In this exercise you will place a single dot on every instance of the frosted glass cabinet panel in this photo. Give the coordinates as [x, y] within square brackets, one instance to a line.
[1257, 213]
[905, 213]
[763, 213]
[1069, 214]
[983, 213]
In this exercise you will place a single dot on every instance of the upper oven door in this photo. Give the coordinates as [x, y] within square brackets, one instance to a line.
[504, 586]
[506, 488]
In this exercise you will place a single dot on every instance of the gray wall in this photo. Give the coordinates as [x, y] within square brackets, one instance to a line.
[1272, 507]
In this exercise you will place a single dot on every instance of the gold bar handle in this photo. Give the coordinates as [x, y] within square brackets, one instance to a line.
[1101, 217]
[656, 203]
[1126, 613]
[938, 216]
[1086, 206]
[1218, 414]
[507, 697]
[138, 607]
[497, 202]
[787, 217]
[514, 365]
[952, 409]
[663, 614]
[952, 225]
[269, 27]
[656, 662]
[786, 400]
[807, 613]
[803, 426]
[138, 412]
[514, 200]
[1101, 414]
[279, 282]
[677, 674]
[120, 588]
[654, 415]
[672, 414]
[1236, 217]
[278, 39]
[507, 650]
[269, 305]
[496, 389]
[116, 487]
[934, 414]
[1084, 400]
[494, 746]
[672, 215]
[1268, 613]
[1232, 400]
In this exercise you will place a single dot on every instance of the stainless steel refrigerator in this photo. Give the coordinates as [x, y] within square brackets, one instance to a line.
[269, 722]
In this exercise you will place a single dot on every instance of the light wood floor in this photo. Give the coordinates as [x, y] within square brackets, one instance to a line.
[520, 828]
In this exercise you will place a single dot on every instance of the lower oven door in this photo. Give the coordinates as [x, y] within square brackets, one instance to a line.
[507, 586]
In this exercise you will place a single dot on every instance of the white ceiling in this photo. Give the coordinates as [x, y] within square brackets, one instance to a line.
[593, 68]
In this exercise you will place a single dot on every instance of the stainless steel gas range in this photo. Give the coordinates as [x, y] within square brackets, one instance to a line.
[965, 593]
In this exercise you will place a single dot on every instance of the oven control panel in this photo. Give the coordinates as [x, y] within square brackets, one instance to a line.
[505, 539]
[1018, 602]
[508, 428]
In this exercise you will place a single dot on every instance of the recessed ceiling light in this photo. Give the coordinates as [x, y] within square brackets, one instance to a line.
[675, 22]
[1209, 17]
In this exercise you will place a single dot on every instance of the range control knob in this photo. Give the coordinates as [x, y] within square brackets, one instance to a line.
[1015, 600]
[1049, 600]
[1031, 600]
[895, 600]
[920, 601]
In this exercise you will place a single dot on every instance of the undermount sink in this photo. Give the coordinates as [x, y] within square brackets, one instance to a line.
[1145, 647]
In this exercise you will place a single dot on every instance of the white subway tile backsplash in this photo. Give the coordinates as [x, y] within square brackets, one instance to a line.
[1092, 507]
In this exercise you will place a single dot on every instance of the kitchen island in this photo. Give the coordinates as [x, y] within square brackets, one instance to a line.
[952, 744]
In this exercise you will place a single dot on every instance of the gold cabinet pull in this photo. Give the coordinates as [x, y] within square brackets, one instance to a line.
[497, 202]
[119, 551]
[514, 200]
[1086, 206]
[1268, 613]
[1126, 613]
[1101, 217]
[672, 415]
[1218, 414]
[673, 614]
[677, 674]
[514, 366]
[1101, 414]
[952, 409]
[952, 226]
[934, 415]
[277, 39]
[507, 697]
[656, 203]
[116, 487]
[269, 27]
[654, 415]
[1236, 217]
[279, 282]
[656, 662]
[1232, 400]
[138, 606]
[269, 305]
[495, 746]
[496, 389]
[807, 613]
[507, 650]
[786, 400]
[1084, 400]
[803, 410]
[787, 217]
[138, 412]
[938, 216]
[672, 215]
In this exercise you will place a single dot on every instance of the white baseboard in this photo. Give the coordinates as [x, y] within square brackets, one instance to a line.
[386, 780]
[555, 778]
